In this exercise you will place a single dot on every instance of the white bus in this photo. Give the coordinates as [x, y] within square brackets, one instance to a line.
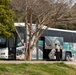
[59, 38]
[51, 39]
[11, 48]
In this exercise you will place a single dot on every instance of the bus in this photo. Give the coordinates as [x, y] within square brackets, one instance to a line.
[11, 48]
[51, 40]
[59, 38]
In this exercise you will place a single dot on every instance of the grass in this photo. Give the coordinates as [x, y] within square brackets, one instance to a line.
[37, 69]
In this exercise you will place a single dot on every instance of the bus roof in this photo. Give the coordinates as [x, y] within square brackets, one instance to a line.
[55, 29]
[19, 24]
[23, 24]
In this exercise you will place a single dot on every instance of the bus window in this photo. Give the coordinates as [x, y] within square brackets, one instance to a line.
[2, 42]
[18, 41]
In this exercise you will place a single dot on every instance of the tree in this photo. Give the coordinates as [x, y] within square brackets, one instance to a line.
[6, 19]
[41, 12]
[69, 20]
[73, 17]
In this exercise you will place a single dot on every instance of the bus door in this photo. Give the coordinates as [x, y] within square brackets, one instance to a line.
[11, 48]
[53, 48]
[49, 50]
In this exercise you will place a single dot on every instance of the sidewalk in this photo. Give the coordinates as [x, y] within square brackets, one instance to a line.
[34, 62]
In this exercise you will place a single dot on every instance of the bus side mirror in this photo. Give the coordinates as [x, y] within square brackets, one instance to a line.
[11, 42]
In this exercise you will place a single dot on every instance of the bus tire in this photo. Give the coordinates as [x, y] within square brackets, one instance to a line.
[67, 56]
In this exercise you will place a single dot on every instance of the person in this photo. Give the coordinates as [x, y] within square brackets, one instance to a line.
[58, 52]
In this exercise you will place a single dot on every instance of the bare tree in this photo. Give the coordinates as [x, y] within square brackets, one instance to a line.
[69, 19]
[40, 12]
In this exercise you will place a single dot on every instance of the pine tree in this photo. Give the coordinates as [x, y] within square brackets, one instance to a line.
[6, 19]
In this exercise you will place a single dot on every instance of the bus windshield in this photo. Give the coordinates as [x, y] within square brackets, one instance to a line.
[2, 42]
[18, 41]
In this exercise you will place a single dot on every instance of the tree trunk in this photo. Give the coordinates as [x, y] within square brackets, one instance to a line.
[30, 37]
[30, 53]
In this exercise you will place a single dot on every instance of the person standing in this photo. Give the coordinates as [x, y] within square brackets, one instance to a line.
[58, 52]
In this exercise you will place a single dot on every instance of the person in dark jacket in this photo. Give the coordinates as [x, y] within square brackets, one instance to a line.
[58, 52]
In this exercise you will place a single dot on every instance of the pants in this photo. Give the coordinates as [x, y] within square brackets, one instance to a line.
[58, 56]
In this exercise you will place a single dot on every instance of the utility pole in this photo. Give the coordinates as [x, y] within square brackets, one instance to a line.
[25, 34]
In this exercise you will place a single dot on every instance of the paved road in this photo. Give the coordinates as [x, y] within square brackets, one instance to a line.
[34, 62]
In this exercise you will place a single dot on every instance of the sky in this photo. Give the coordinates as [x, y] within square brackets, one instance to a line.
[74, 1]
